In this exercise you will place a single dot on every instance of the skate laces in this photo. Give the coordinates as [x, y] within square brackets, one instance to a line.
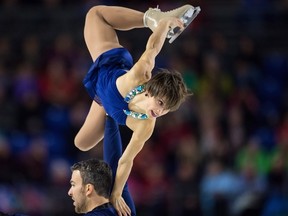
[156, 9]
[175, 9]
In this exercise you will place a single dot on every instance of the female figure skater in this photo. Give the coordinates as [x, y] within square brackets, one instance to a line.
[128, 93]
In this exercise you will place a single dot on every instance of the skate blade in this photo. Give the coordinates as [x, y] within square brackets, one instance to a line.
[187, 18]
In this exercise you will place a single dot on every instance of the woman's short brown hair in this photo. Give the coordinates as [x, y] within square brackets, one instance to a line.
[170, 86]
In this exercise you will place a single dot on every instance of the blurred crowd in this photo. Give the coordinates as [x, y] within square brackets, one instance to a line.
[224, 153]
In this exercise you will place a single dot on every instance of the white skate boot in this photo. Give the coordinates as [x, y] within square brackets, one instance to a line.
[186, 13]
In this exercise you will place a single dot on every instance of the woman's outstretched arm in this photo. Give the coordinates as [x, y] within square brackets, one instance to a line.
[144, 66]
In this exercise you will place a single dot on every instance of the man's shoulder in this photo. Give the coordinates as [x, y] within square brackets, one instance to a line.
[109, 211]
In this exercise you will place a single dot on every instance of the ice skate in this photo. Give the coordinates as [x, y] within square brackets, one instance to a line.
[186, 13]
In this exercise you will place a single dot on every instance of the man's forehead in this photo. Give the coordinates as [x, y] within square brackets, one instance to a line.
[76, 176]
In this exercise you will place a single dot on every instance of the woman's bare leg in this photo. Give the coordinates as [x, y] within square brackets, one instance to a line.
[92, 131]
[100, 36]
[101, 23]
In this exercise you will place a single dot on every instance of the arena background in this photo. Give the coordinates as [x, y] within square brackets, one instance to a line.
[225, 152]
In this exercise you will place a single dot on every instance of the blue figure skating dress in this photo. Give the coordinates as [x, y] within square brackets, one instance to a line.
[100, 82]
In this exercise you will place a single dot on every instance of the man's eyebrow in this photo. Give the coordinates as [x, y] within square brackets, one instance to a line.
[71, 181]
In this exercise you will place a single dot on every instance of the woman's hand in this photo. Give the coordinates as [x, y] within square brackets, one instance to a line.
[172, 23]
[120, 205]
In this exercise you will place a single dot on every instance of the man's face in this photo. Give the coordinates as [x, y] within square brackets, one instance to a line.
[77, 193]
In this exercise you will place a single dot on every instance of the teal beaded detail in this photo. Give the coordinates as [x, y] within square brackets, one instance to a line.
[135, 114]
[138, 90]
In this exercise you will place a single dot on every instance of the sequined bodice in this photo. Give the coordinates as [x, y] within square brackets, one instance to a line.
[138, 90]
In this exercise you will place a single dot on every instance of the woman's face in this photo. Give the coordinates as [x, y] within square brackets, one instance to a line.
[156, 107]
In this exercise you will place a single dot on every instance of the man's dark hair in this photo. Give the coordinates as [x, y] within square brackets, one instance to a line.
[95, 172]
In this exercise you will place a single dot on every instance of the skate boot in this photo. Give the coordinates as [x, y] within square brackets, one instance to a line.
[186, 13]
